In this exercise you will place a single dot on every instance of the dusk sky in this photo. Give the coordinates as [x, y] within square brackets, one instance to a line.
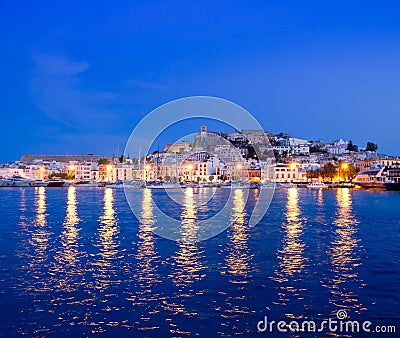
[75, 77]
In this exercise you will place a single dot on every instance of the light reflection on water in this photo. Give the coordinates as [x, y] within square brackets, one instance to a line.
[291, 260]
[344, 257]
[67, 258]
[39, 242]
[187, 268]
[238, 269]
[238, 259]
[111, 274]
[146, 275]
[105, 268]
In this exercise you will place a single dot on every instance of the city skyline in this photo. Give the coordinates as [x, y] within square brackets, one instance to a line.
[158, 145]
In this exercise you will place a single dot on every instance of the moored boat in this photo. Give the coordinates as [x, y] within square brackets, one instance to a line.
[39, 183]
[287, 185]
[5, 182]
[373, 178]
[317, 185]
[393, 179]
[19, 181]
[163, 185]
[55, 183]
[268, 185]
[86, 184]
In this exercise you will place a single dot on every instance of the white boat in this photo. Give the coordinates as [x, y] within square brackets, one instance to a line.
[126, 185]
[4, 182]
[287, 185]
[19, 181]
[268, 185]
[86, 184]
[372, 178]
[39, 183]
[163, 185]
[237, 185]
[116, 185]
[317, 185]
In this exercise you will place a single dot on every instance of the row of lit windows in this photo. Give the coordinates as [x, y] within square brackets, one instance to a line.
[286, 176]
[283, 169]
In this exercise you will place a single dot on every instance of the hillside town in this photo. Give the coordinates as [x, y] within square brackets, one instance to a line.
[252, 156]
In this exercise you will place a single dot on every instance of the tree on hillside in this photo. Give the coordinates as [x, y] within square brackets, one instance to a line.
[351, 146]
[371, 146]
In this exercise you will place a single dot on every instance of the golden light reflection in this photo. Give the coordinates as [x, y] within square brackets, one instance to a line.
[344, 255]
[146, 273]
[238, 258]
[67, 257]
[146, 254]
[187, 259]
[41, 206]
[238, 266]
[107, 245]
[22, 209]
[320, 200]
[40, 236]
[290, 257]
[187, 269]
[39, 241]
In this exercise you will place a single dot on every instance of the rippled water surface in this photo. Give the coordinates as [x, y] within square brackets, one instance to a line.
[76, 262]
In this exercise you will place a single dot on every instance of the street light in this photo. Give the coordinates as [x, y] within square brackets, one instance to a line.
[147, 167]
[239, 167]
[190, 168]
[109, 167]
[343, 166]
[41, 172]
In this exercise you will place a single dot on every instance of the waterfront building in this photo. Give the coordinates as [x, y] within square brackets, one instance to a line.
[291, 172]
[86, 172]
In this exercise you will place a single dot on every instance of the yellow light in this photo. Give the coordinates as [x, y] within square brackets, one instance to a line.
[239, 166]
[190, 166]
[292, 165]
[109, 167]
[148, 167]
[344, 166]
[41, 168]
[72, 167]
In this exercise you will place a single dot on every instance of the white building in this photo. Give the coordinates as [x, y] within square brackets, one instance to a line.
[289, 173]
[300, 149]
[86, 172]
[338, 147]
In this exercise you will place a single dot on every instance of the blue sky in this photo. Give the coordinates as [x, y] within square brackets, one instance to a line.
[76, 77]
